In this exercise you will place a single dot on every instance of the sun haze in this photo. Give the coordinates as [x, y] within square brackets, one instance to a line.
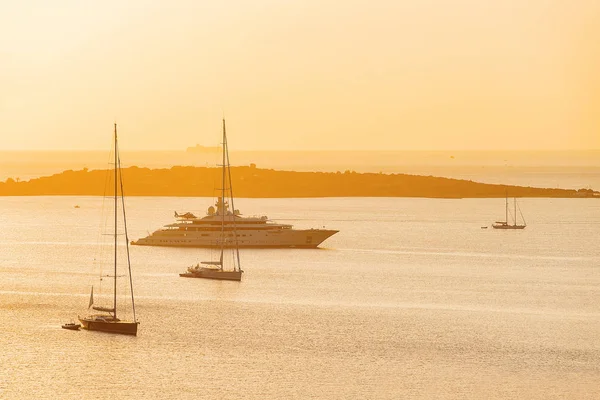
[309, 74]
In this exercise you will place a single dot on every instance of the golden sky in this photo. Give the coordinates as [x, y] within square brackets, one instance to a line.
[301, 74]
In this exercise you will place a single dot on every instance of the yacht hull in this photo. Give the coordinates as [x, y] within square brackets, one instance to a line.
[299, 239]
[120, 327]
[218, 275]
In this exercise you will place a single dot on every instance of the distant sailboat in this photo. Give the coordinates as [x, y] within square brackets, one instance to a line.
[215, 269]
[505, 224]
[108, 321]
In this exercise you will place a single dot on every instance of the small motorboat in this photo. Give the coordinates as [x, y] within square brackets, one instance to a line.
[484, 227]
[71, 326]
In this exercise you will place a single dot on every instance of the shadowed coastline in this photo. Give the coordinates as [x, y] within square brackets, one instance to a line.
[250, 181]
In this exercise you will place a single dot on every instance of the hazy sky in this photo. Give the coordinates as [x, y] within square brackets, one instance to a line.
[306, 74]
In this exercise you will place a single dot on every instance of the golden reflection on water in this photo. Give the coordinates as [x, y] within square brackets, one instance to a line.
[410, 299]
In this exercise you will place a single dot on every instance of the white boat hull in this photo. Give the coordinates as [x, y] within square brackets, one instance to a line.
[207, 273]
[290, 238]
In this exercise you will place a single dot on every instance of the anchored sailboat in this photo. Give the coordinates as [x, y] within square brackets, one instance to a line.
[108, 321]
[505, 224]
[229, 239]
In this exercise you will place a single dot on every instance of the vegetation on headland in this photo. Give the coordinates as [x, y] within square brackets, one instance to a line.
[249, 181]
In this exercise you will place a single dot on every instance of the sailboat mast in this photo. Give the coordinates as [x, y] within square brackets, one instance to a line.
[515, 211]
[116, 204]
[223, 195]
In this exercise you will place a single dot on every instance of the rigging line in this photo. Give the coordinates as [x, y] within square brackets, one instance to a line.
[223, 209]
[215, 176]
[215, 171]
[116, 215]
[235, 238]
[513, 217]
[126, 235]
[101, 249]
[521, 212]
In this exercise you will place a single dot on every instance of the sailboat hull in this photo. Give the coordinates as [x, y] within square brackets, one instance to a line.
[508, 226]
[120, 327]
[214, 274]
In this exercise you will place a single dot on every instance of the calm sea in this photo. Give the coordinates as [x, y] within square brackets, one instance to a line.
[412, 299]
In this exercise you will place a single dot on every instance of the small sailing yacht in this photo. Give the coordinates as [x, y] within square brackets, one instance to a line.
[229, 240]
[108, 320]
[505, 224]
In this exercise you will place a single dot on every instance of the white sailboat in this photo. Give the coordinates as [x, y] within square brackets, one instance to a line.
[108, 320]
[227, 239]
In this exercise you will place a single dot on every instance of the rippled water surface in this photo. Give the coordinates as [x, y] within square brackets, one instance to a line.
[412, 299]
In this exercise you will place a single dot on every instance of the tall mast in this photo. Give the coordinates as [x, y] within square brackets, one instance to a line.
[116, 204]
[515, 211]
[223, 195]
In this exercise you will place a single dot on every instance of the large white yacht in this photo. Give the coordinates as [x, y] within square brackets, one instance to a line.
[192, 231]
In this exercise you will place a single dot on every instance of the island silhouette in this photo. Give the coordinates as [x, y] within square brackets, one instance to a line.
[253, 182]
